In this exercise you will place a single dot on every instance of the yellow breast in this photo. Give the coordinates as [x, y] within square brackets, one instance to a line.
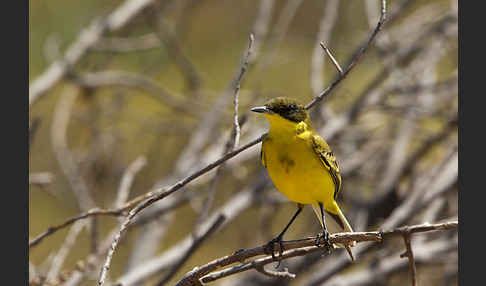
[296, 170]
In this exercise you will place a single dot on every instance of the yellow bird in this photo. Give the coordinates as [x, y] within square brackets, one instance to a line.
[302, 166]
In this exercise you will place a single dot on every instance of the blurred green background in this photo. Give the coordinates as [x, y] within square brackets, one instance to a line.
[213, 35]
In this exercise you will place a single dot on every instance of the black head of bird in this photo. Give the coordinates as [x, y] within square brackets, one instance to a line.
[286, 108]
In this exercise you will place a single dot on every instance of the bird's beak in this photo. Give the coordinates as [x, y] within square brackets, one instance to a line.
[261, 109]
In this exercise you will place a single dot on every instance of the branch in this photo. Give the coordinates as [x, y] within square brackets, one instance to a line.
[93, 212]
[231, 210]
[275, 274]
[334, 61]
[211, 120]
[64, 250]
[354, 60]
[409, 253]
[374, 275]
[244, 67]
[294, 248]
[234, 138]
[87, 39]
[159, 194]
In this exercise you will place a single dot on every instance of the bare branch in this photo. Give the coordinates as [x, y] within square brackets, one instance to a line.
[236, 124]
[409, 253]
[417, 200]
[211, 120]
[157, 195]
[64, 250]
[90, 213]
[231, 209]
[334, 61]
[86, 39]
[63, 154]
[355, 58]
[373, 275]
[233, 141]
[275, 274]
[294, 248]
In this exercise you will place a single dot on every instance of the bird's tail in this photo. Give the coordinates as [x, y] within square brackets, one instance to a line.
[335, 223]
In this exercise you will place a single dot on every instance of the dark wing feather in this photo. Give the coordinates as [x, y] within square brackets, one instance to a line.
[329, 161]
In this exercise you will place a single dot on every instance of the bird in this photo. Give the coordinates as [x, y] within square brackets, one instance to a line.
[302, 166]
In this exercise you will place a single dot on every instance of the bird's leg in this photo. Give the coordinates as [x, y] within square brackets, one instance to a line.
[279, 237]
[325, 233]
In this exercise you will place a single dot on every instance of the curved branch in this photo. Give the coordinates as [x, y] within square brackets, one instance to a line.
[295, 248]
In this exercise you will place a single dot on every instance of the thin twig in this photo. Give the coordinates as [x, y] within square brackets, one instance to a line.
[409, 253]
[65, 158]
[334, 61]
[275, 274]
[354, 60]
[234, 140]
[236, 124]
[64, 250]
[158, 195]
[93, 212]
[374, 275]
[212, 118]
[231, 209]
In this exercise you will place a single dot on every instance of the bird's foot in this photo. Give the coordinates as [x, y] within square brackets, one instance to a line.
[325, 236]
[270, 248]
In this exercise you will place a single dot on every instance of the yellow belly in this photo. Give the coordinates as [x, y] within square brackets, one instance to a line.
[297, 172]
